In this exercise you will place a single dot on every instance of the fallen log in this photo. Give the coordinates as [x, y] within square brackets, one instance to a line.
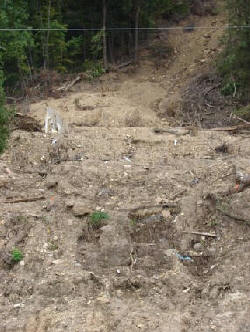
[232, 216]
[233, 129]
[68, 85]
[27, 199]
[201, 233]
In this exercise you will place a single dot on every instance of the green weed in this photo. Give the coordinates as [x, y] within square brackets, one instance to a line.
[16, 255]
[97, 218]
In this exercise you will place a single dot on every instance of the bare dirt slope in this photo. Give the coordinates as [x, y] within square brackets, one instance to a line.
[148, 94]
[143, 268]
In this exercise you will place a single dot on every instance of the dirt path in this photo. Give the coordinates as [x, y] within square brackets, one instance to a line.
[142, 268]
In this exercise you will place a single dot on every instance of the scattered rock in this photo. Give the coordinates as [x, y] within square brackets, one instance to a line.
[212, 251]
[198, 246]
[170, 252]
[223, 148]
[4, 181]
[69, 203]
[51, 182]
[81, 210]
[103, 299]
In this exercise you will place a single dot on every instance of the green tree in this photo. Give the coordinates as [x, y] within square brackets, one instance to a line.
[234, 63]
[4, 116]
[14, 44]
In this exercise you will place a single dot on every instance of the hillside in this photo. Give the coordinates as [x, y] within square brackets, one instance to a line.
[172, 250]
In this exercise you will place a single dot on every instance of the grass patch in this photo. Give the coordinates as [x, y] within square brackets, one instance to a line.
[16, 255]
[97, 218]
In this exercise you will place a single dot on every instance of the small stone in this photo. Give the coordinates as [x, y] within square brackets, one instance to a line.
[212, 251]
[69, 203]
[57, 261]
[51, 183]
[198, 246]
[103, 299]
[3, 181]
[81, 210]
[22, 263]
[170, 252]
[166, 214]
[119, 293]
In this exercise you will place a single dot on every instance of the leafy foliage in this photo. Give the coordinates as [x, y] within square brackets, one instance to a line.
[14, 44]
[4, 117]
[25, 53]
[234, 63]
[97, 218]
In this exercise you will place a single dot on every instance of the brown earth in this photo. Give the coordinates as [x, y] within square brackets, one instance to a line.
[142, 269]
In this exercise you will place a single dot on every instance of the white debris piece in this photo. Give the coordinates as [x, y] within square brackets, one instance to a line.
[53, 122]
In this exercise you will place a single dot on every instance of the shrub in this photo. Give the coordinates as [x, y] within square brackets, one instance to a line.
[93, 69]
[16, 255]
[97, 218]
[234, 62]
[4, 117]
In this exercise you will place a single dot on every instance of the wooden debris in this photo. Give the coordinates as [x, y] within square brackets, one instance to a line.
[179, 193]
[223, 148]
[25, 122]
[233, 129]
[193, 130]
[201, 233]
[175, 131]
[27, 199]
[240, 119]
[122, 65]
[163, 206]
[69, 85]
[145, 244]
[232, 216]
[212, 88]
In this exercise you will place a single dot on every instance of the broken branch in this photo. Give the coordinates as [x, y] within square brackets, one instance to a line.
[232, 216]
[201, 233]
[27, 199]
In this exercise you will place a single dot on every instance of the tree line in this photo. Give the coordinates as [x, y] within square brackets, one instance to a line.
[23, 52]
[234, 62]
[48, 41]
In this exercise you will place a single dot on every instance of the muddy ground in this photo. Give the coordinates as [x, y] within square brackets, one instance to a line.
[173, 250]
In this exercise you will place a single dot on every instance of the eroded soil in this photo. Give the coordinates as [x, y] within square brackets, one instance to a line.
[144, 268]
